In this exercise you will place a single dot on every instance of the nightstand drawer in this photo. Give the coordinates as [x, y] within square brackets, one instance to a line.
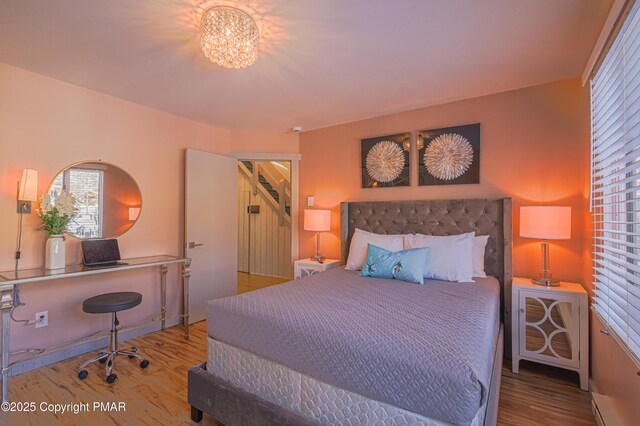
[549, 328]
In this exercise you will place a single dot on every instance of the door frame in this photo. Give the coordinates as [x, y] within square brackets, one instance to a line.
[295, 175]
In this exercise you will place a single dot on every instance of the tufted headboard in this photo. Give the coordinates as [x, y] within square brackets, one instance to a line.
[440, 217]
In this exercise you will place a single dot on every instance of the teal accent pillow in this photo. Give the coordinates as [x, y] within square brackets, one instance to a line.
[405, 265]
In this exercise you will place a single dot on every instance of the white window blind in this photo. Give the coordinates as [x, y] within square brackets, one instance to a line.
[87, 187]
[615, 185]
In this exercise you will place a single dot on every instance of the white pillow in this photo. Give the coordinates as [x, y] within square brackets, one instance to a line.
[479, 244]
[451, 257]
[359, 242]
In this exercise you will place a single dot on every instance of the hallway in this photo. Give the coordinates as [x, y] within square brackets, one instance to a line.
[249, 282]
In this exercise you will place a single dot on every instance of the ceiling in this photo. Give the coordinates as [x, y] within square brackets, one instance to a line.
[322, 62]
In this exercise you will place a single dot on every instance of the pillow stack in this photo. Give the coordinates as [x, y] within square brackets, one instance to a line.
[457, 258]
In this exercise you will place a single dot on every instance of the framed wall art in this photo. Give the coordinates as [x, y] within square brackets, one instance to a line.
[449, 156]
[385, 161]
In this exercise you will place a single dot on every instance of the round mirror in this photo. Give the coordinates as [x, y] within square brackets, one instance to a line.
[108, 200]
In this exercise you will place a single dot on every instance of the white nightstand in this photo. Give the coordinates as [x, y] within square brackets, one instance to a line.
[306, 267]
[550, 325]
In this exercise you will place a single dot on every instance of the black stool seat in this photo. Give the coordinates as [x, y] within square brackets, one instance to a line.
[111, 302]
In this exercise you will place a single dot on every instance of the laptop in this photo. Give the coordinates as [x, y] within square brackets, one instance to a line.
[101, 253]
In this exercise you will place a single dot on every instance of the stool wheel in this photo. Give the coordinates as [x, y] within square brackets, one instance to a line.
[103, 360]
[144, 364]
[131, 356]
[111, 378]
[82, 374]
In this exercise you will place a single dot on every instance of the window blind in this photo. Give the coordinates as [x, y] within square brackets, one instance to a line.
[87, 186]
[615, 185]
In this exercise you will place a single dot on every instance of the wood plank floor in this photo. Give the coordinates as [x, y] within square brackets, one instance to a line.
[539, 395]
[250, 282]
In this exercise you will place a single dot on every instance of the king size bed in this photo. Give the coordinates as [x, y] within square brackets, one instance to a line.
[338, 348]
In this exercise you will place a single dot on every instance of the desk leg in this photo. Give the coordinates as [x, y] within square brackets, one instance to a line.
[186, 273]
[163, 293]
[6, 303]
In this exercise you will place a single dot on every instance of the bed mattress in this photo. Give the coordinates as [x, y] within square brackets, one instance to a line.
[317, 401]
[426, 349]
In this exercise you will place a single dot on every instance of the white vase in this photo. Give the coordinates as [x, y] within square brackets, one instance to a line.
[54, 252]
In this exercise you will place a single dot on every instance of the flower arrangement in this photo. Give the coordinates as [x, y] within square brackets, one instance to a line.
[56, 211]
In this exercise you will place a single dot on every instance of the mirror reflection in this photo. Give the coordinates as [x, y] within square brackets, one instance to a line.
[547, 325]
[107, 197]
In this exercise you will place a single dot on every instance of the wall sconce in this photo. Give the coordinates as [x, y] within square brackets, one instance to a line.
[134, 212]
[27, 190]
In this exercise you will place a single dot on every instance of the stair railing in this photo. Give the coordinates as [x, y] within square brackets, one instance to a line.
[281, 186]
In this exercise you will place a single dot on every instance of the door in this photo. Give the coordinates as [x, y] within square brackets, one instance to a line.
[211, 228]
[549, 327]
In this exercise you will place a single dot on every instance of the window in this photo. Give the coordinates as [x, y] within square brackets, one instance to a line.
[615, 185]
[87, 188]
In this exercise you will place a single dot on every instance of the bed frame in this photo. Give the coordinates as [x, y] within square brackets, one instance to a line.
[234, 406]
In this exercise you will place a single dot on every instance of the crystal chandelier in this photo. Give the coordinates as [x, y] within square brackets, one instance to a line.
[229, 37]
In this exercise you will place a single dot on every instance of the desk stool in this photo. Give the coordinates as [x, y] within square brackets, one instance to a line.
[112, 303]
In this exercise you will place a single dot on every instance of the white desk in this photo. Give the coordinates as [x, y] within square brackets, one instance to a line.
[10, 279]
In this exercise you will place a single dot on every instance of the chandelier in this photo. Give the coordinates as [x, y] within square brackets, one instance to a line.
[229, 37]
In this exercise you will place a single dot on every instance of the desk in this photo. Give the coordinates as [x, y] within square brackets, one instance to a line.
[10, 279]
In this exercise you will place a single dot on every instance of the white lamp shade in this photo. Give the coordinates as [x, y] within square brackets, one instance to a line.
[28, 185]
[134, 212]
[317, 220]
[545, 222]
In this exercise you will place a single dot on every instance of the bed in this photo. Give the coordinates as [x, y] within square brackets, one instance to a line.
[335, 348]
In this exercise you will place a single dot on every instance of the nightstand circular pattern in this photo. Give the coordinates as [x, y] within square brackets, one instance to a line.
[306, 272]
[545, 326]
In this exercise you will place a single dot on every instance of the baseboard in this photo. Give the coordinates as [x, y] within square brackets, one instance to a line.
[603, 410]
[83, 348]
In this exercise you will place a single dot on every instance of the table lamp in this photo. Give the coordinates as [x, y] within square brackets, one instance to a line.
[545, 223]
[317, 221]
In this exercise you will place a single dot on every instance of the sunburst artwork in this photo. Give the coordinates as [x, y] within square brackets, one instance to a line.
[449, 155]
[385, 161]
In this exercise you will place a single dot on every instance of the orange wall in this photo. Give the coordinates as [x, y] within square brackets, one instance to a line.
[46, 124]
[532, 149]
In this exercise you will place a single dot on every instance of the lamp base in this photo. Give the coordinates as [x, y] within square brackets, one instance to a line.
[319, 259]
[545, 282]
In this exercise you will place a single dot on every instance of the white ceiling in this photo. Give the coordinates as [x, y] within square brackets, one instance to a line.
[323, 62]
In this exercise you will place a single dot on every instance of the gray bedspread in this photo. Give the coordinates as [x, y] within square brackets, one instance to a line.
[428, 349]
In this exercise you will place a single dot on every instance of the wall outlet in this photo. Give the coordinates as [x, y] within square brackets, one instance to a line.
[42, 319]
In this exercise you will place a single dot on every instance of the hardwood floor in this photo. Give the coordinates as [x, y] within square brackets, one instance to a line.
[542, 395]
[250, 282]
[157, 395]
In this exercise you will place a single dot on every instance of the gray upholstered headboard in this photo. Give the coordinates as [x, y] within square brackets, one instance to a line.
[440, 217]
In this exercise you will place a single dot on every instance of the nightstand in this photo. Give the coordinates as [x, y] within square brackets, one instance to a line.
[550, 325]
[306, 267]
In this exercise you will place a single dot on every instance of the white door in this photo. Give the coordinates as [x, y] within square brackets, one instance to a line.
[211, 228]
